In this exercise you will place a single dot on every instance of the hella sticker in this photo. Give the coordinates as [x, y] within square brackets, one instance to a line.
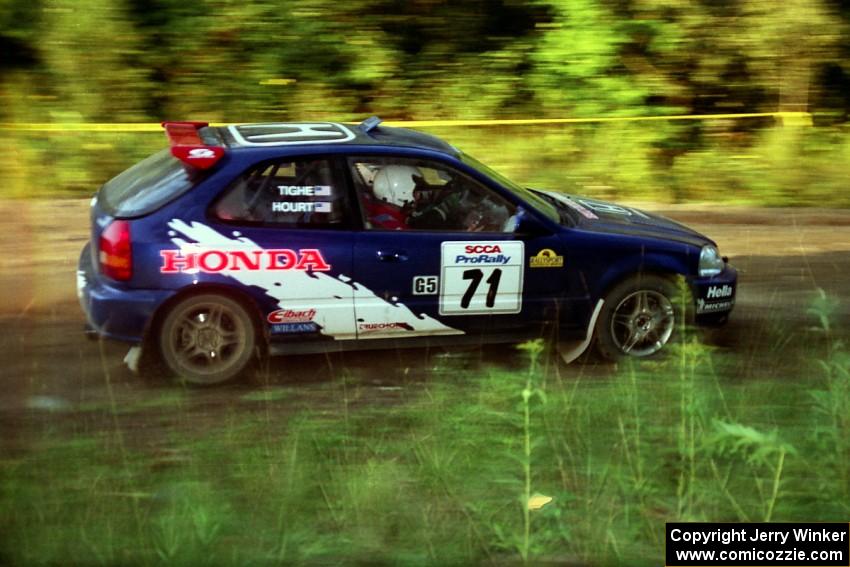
[217, 261]
[546, 258]
[718, 292]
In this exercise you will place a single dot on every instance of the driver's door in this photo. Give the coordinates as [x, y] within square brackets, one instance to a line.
[472, 274]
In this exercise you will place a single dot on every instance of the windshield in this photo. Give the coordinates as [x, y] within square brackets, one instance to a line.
[146, 186]
[531, 198]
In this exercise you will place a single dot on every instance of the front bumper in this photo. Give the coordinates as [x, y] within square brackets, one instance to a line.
[112, 311]
[714, 297]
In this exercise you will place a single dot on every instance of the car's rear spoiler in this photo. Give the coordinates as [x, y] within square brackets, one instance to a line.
[188, 147]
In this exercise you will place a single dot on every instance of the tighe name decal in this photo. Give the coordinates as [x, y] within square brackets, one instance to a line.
[215, 261]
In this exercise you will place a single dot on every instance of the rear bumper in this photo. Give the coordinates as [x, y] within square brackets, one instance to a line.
[111, 311]
[714, 297]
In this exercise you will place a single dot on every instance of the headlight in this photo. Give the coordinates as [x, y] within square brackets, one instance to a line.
[710, 262]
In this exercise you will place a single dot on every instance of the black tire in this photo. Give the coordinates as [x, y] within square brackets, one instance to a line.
[207, 339]
[640, 316]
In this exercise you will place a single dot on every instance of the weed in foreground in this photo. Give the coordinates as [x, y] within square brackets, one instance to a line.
[596, 466]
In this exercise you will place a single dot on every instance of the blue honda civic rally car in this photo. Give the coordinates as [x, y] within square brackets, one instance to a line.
[241, 241]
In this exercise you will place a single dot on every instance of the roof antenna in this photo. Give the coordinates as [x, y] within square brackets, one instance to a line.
[369, 124]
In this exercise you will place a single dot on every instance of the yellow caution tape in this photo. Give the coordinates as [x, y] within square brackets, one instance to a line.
[81, 127]
[796, 118]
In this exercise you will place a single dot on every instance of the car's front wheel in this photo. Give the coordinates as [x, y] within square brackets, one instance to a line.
[207, 339]
[641, 315]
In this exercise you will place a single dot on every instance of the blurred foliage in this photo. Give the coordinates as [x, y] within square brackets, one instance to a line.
[233, 61]
[435, 466]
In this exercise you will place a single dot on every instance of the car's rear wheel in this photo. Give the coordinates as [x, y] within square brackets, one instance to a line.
[641, 315]
[207, 339]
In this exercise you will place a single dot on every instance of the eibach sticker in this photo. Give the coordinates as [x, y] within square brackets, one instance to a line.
[291, 316]
[288, 321]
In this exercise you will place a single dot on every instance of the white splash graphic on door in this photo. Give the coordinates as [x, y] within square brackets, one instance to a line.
[332, 297]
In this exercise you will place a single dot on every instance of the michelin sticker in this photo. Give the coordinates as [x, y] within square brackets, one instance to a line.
[479, 278]
[705, 307]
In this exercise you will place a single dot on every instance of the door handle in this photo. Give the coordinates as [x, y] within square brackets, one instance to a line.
[391, 256]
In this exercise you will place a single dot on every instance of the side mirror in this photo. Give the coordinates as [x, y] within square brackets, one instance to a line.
[525, 223]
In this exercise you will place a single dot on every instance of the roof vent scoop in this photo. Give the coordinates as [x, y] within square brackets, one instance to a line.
[369, 124]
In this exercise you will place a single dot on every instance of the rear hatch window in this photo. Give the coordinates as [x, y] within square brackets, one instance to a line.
[148, 185]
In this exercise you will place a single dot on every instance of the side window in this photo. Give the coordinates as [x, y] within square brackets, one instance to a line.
[408, 194]
[303, 192]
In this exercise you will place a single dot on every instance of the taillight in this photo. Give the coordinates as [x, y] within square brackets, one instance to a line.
[116, 257]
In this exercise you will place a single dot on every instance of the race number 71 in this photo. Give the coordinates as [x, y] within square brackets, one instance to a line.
[480, 278]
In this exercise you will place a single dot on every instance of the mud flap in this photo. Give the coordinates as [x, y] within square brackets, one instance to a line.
[132, 358]
[571, 350]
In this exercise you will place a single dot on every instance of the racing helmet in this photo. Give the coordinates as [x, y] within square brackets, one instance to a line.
[394, 184]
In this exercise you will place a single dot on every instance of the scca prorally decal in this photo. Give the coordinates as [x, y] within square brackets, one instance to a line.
[332, 297]
[482, 254]
[215, 261]
[481, 278]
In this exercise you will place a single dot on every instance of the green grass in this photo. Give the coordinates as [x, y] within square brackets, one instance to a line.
[442, 472]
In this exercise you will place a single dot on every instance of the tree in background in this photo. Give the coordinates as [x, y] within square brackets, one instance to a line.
[231, 60]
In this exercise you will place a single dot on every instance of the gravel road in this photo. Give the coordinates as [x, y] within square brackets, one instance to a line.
[784, 256]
